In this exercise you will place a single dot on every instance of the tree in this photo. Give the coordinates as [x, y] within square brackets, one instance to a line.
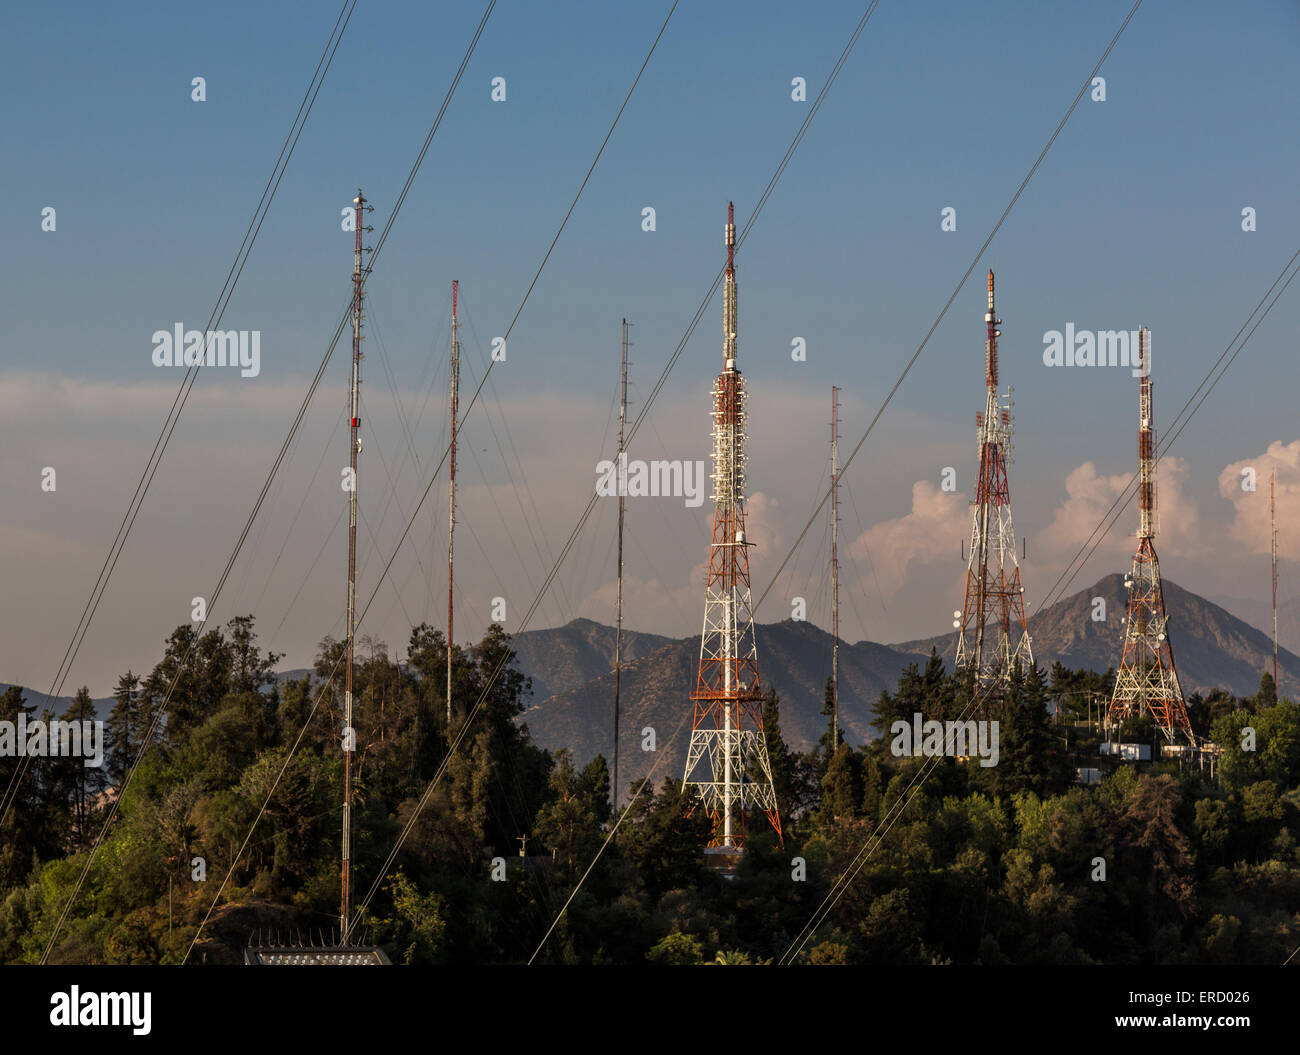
[418, 925]
[1031, 757]
[21, 834]
[249, 672]
[1149, 828]
[595, 783]
[831, 739]
[126, 727]
[1078, 693]
[76, 784]
[790, 775]
[191, 679]
[676, 950]
[872, 787]
[666, 837]
[567, 823]
[1262, 812]
[841, 787]
[1263, 746]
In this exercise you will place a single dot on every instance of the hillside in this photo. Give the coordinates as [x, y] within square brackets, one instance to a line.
[1259, 614]
[1212, 647]
[574, 686]
[568, 656]
[792, 656]
[59, 704]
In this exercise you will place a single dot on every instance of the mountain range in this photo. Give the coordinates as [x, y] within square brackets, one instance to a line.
[573, 665]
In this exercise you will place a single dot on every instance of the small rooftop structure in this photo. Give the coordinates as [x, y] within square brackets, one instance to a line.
[274, 950]
[341, 956]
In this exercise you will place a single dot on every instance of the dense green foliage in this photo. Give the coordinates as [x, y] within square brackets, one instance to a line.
[975, 864]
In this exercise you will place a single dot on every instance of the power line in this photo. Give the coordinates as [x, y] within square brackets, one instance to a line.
[1087, 83]
[302, 410]
[1178, 424]
[191, 376]
[383, 574]
[690, 330]
[469, 718]
[859, 861]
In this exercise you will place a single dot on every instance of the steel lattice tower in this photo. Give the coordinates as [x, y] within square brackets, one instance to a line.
[992, 630]
[727, 761]
[1147, 680]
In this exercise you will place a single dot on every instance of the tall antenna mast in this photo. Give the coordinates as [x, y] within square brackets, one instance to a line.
[622, 479]
[1147, 680]
[727, 737]
[835, 570]
[359, 272]
[451, 490]
[1272, 517]
[995, 603]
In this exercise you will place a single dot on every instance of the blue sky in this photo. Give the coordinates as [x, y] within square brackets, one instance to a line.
[1135, 218]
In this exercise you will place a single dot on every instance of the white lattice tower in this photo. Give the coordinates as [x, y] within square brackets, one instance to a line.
[727, 761]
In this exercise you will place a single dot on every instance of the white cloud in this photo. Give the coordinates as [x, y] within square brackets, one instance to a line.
[1089, 497]
[1250, 523]
[926, 534]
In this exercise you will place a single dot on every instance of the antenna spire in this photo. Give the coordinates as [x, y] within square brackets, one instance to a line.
[622, 489]
[1147, 680]
[1146, 446]
[835, 570]
[991, 346]
[359, 273]
[727, 760]
[729, 294]
[1272, 517]
[451, 489]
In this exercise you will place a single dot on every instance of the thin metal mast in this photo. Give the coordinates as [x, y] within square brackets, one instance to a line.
[835, 571]
[354, 448]
[618, 633]
[729, 600]
[451, 491]
[1272, 518]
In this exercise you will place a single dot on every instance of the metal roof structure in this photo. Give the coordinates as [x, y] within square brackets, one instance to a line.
[338, 955]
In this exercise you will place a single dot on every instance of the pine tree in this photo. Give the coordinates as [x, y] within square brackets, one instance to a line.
[78, 784]
[249, 672]
[902, 705]
[872, 787]
[1267, 695]
[788, 777]
[595, 783]
[841, 787]
[833, 737]
[20, 832]
[1031, 758]
[567, 824]
[126, 727]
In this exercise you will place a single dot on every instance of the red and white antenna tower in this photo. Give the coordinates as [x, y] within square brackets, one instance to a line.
[359, 273]
[451, 488]
[727, 761]
[1147, 680]
[992, 630]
